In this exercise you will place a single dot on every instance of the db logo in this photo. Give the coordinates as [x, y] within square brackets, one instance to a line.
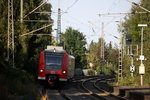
[52, 72]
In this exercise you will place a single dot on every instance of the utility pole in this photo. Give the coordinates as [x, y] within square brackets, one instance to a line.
[142, 67]
[58, 26]
[102, 43]
[120, 61]
[121, 53]
[122, 13]
[139, 6]
[21, 11]
[10, 48]
[132, 67]
[102, 59]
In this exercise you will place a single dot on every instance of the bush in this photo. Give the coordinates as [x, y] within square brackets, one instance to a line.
[15, 83]
[128, 80]
[106, 69]
[91, 72]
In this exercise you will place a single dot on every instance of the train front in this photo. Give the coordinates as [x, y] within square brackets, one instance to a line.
[53, 65]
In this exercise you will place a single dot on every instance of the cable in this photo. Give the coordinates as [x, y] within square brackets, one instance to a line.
[76, 19]
[112, 20]
[35, 9]
[72, 5]
[92, 28]
[82, 23]
[35, 30]
[114, 3]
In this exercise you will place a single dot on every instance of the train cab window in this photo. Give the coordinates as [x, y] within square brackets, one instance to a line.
[53, 61]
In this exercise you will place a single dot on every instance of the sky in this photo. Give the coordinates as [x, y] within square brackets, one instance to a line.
[83, 15]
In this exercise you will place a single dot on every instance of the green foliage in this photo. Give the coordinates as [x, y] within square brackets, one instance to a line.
[106, 69]
[74, 43]
[93, 55]
[18, 81]
[91, 72]
[28, 47]
[130, 26]
[15, 83]
[109, 65]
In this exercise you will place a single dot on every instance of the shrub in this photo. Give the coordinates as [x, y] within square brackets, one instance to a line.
[15, 83]
[91, 72]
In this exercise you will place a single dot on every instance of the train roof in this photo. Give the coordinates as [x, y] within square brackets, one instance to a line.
[55, 49]
[71, 56]
[58, 49]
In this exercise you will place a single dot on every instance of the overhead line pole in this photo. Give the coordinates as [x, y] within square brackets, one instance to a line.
[44, 12]
[102, 59]
[102, 42]
[10, 48]
[35, 30]
[41, 21]
[41, 34]
[35, 9]
[21, 11]
[58, 26]
[139, 6]
[103, 14]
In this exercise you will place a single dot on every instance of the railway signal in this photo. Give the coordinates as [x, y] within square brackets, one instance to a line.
[131, 51]
[132, 68]
[128, 39]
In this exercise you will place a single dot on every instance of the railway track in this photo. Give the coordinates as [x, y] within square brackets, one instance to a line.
[53, 93]
[64, 95]
[84, 88]
[90, 85]
[87, 85]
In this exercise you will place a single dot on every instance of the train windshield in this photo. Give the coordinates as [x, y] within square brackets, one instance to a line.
[53, 61]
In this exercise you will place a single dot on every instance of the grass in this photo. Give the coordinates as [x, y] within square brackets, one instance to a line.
[17, 84]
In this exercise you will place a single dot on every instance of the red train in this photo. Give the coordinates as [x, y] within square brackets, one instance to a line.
[55, 65]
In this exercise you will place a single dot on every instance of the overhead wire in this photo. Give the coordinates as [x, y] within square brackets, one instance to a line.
[35, 8]
[114, 3]
[68, 8]
[71, 5]
[93, 26]
[83, 24]
[112, 20]
[59, 6]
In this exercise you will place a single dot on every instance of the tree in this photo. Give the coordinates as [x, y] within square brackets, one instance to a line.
[130, 26]
[17, 81]
[93, 56]
[35, 44]
[27, 48]
[74, 43]
[110, 55]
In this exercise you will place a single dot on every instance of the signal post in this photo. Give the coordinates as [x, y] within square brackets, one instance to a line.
[141, 58]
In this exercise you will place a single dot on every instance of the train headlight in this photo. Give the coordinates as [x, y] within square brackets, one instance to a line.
[64, 72]
[41, 70]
